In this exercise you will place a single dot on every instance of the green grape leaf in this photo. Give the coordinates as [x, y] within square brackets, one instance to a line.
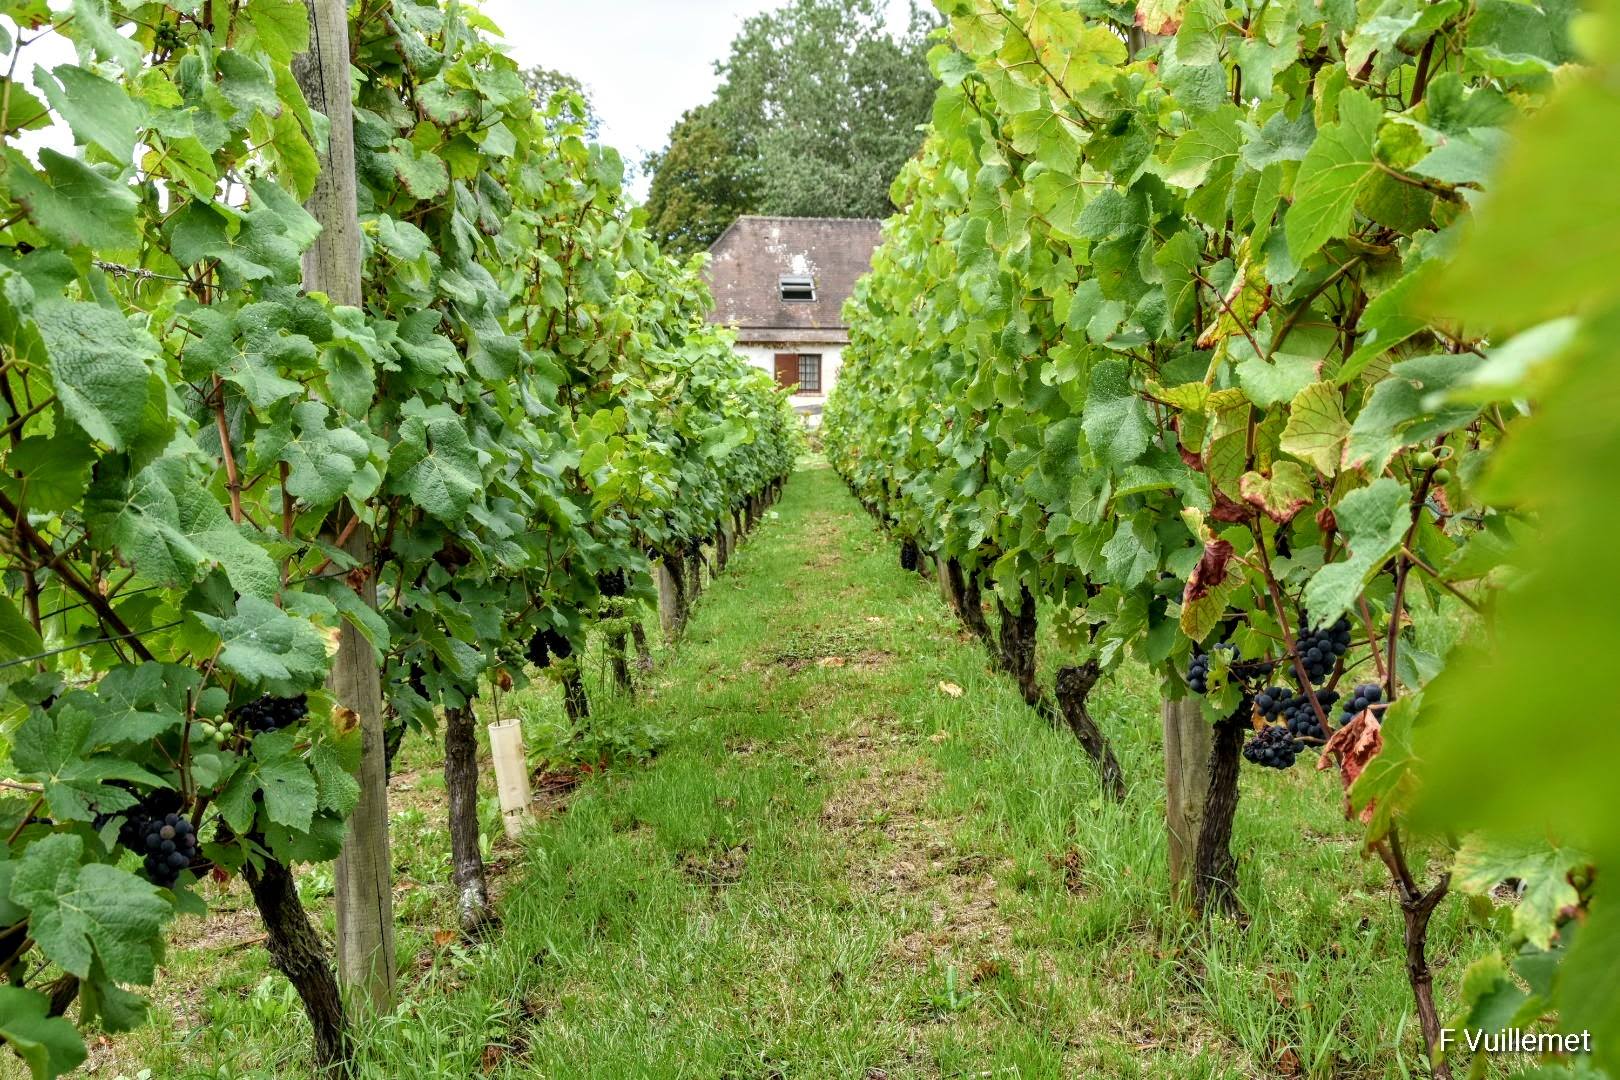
[277, 772]
[48, 1045]
[55, 749]
[172, 530]
[281, 26]
[1116, 420]
[1398, 413]
[99, 369]
[1374, 521]
[322, 461]
[423, 175]
[1483, 863]
[83, 913]
[268, 647]
[1332, 176]
[18, 638]
[99, 111]
[73, 204]
[434, 464]
[1590, 989]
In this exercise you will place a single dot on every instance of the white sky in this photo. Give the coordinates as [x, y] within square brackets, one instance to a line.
[644, 61]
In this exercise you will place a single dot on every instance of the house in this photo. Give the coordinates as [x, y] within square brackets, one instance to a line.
[781, 283]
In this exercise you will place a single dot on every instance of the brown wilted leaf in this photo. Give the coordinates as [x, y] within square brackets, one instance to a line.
[1352, 747]
[1210, 571]
[950, 689]
[832, 661]
[1288, 1063]
[503, 678]
[345, 720]
[1229, 510]
[444, 938]
[493, 1053]
[1281, 985]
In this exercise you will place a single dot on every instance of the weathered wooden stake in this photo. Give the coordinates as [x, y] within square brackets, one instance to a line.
[364, 871]
[1188, 742]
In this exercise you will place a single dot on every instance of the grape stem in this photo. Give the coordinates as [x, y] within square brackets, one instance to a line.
[1282, 621]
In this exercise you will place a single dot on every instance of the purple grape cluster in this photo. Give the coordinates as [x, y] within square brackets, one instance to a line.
[1272, 747]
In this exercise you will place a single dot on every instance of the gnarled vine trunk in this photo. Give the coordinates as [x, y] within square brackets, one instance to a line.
[1073, 689]
[638, 635]
[1214, 866]
[1017, 641]
[964, 587]
[298, 953]
[473, 910]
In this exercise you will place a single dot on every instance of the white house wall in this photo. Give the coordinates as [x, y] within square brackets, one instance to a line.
[832, 357]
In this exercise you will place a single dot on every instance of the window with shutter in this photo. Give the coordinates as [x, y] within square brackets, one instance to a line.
[809, 373]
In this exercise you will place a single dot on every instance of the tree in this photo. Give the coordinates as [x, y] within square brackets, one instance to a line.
[577, 108]
[700, 184]
[818, 108]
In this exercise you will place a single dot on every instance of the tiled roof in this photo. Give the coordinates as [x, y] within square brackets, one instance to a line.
[749, 259]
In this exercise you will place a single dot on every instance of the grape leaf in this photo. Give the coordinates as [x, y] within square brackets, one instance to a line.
[1316, 428]
[1483, 863]
[99, 369]
[434, 464]
[1331, 177]
[73, 204]
[268, 647]
[83, 913]
[49, 1045]
[99, 111]
[1115, 419]
[1374, 521]
[54, 749]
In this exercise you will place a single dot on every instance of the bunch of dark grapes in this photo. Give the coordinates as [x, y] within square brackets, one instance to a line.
[1294, 710]
[271, 713]
[1320, 649]
[1198, 668]
[546, 644]
[1363, 698]
[1272, 747]
[154, 828]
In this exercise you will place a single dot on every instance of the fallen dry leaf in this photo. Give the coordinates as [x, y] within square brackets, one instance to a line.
[951, 689]
[442, 938]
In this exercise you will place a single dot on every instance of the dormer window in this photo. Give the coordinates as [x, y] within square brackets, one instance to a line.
[797, 287]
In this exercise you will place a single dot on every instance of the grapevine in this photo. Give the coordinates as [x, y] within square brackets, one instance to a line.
[207, 472]
[1148, 339]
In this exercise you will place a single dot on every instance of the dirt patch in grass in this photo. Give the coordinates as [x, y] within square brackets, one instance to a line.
[884, 791]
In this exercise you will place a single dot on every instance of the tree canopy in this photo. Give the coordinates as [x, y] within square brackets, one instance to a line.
[818, 107]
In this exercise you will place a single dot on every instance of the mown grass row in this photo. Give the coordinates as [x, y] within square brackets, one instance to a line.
[834, 866]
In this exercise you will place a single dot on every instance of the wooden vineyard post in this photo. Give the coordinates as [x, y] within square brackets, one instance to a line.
[670, 596]
[1188, 742]
[364, 871]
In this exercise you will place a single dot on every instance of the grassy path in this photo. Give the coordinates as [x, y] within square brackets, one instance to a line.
[837, 867]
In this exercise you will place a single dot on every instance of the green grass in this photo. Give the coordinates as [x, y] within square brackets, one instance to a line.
[835, 868]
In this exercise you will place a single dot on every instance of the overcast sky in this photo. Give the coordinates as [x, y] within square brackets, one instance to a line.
[645, 61]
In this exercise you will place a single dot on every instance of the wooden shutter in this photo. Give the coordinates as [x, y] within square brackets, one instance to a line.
[787, 369]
